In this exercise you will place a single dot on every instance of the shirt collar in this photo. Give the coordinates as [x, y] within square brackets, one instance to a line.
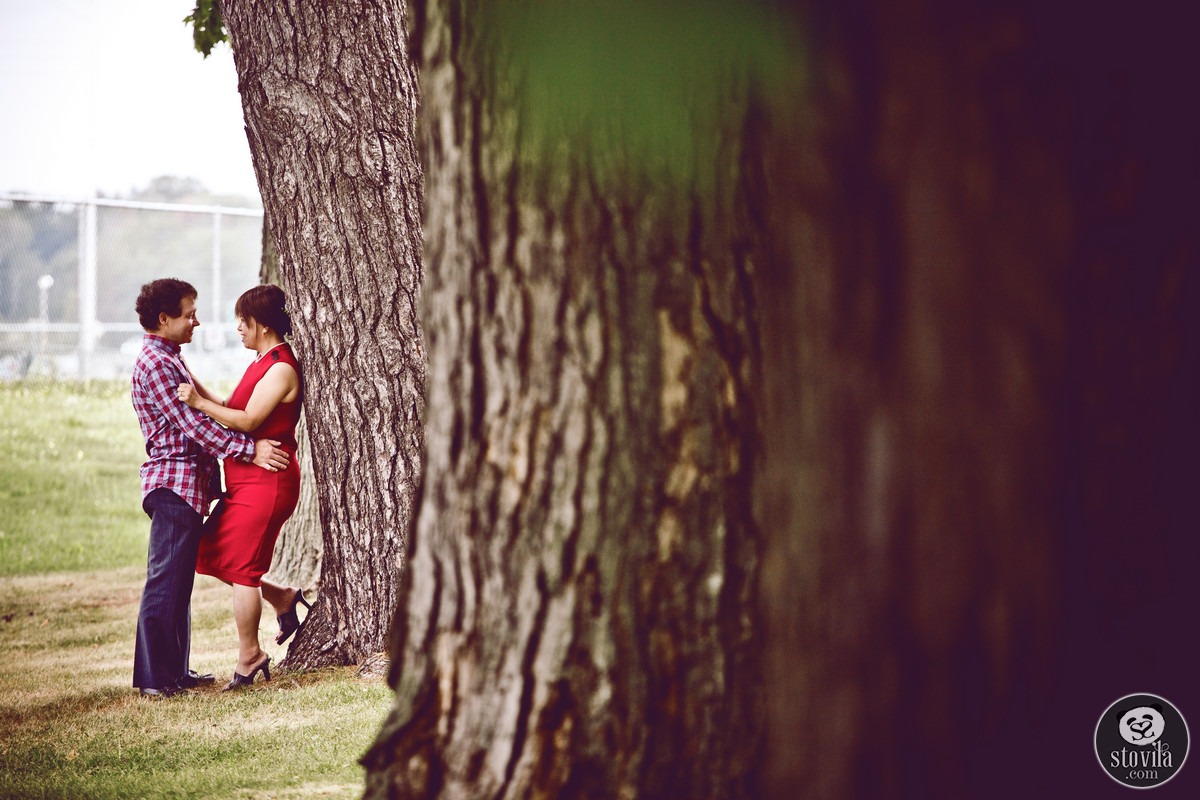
[154, 340]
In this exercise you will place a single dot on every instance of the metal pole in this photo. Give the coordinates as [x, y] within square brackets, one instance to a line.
[87, 287]
[44, 283]
[216, 282]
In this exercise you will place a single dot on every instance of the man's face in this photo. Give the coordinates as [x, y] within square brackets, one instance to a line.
[179, 329]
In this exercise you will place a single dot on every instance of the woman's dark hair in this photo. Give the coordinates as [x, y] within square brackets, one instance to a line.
[163, 296]
[265, 305]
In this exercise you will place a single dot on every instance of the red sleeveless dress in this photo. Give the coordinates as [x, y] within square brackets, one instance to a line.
[237, 546]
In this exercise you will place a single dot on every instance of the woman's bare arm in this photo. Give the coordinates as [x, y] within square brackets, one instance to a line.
[280, 384]
[205, 393]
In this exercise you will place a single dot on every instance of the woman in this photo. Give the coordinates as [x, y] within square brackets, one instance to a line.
[240, 539]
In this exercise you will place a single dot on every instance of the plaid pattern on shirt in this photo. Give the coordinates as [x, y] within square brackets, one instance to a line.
[183, 444]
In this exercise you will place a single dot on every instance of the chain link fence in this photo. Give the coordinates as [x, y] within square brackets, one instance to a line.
[70, 272]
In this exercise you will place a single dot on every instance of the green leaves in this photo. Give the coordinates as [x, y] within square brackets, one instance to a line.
[208, 29]
[647, 85]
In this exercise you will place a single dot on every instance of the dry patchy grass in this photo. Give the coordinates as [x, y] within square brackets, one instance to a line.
[72, 726]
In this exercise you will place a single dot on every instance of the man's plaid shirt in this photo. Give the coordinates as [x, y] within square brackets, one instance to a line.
[182, 443]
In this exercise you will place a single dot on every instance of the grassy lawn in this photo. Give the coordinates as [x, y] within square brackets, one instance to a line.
[69, 487]
[73, 556]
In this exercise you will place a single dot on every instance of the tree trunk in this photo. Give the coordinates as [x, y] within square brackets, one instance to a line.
[331, 131]
[576, 620]
[968, 387]
[969, 254]
[911, 474]
[297, 558]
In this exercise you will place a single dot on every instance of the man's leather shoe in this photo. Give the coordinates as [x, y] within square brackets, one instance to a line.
[166, 691]
[192, 679]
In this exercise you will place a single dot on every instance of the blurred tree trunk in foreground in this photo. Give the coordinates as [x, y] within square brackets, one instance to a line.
[914, 352]
[297, 559]
[975, 320]
[928, 323]
[331, 131]
[576, 618]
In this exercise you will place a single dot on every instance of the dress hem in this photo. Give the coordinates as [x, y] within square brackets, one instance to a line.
[240, 578]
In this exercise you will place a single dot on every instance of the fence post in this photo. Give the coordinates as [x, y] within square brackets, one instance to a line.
[44, 284]
[36, 341]
[87, 287]
[216, 284]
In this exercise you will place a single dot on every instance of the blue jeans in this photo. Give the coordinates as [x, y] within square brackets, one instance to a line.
[164, 629]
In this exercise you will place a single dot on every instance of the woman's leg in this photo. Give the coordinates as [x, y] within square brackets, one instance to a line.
[281, 598]
[284, 600]
[247, 610]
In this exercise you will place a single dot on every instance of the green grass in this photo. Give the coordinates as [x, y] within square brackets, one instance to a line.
[69, 488]
[71, 725]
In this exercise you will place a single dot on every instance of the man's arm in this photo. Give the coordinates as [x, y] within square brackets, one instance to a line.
[223, 442]
[160, 383]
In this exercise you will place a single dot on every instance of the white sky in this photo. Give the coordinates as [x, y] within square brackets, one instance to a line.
[104, 95]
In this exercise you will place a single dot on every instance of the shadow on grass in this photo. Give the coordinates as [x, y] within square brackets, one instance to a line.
[71, 706]
[72, 726]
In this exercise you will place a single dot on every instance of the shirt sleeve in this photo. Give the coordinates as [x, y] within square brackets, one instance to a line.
[202, 429]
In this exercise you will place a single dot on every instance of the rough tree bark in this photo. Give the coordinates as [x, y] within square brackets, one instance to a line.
[973, 247]
[297, 557]
[330, 104]
[576, 617]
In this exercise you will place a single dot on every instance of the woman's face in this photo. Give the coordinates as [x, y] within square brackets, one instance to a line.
[249, 330]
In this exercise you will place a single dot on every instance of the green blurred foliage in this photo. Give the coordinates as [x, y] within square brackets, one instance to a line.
[641, 90]
[644, 89]
[208, 29]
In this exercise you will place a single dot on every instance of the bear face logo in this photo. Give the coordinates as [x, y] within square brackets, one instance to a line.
[1142, 725]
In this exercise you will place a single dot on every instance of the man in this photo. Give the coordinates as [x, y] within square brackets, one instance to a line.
[183, 446]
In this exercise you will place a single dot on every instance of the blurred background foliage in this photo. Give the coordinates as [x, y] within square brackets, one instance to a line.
[640, 90]
[42, 238]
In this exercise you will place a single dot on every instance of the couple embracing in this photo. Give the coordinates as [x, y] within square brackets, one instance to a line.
[187, 429]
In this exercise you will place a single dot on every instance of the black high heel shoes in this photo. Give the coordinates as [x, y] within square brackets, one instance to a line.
[289, 621]
[240, 680]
